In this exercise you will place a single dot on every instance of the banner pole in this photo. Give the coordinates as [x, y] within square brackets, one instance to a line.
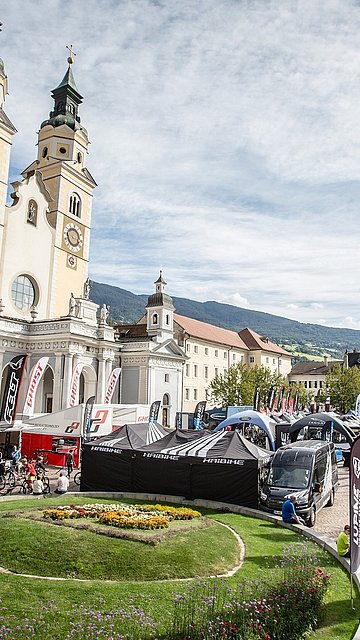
[351, 591]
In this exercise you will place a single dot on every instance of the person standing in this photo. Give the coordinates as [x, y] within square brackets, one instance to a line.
[343, 542]
[288, 512]
[69, 463]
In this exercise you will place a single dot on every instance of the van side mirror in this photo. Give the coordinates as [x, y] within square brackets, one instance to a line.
[317, 487]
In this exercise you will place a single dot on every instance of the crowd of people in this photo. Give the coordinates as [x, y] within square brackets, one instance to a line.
[31, 473]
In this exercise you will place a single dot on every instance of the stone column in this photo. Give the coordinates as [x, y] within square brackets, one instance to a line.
[67, 379]
[100, 391]
[58, 384]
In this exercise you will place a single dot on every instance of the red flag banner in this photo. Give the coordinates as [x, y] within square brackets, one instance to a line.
[74, 387]
[355, 506]
[35, 378]
[111, 384]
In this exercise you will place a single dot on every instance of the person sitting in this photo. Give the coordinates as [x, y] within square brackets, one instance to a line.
[62, 483]
[288, 512]
[343, 542]
[38, 486]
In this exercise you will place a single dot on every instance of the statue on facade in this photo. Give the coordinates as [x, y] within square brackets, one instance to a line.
[72, 305]
[104, 313]
[87, 287]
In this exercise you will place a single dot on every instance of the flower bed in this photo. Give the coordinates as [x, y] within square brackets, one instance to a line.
[124, 516]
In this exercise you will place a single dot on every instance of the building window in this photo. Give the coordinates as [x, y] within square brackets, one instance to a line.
[155, 318]
[274, 361]
[196, 348]
[252, 359]
[206, 351]
[225, 354]
[305, 384]
[187, 370]
[225, 372]
[216, 353]
[315, 384]
[195, 394]
[187, 346]
[216, 371]
[187, 394]
[32, 211]
[234, 357]
[310, 384]
[267, 360]
[279, 363]
[195, 370]
[23, 292]
[320, 384]
[206, 372]
[167, 377]
[241, 358]
[75, 205]
[167, 319]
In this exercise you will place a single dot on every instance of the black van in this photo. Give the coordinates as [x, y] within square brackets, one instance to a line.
[306, 469]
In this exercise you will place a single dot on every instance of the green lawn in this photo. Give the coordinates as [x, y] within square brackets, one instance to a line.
[55, 606]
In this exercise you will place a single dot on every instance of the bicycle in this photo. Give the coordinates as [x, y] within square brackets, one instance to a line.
[27, 487]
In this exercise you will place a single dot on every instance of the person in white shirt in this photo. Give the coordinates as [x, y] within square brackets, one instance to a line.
[38, 486]
[62, 483]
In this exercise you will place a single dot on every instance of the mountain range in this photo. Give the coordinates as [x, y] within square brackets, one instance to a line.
[304, 340]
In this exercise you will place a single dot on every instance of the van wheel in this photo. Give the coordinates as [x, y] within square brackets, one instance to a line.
[312, 517]
[331, 500]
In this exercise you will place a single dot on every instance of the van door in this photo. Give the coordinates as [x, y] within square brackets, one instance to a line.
[323, 480]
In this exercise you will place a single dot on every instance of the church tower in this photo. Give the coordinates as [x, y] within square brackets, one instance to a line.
[7, 131]
[61, 163]
[160, 312]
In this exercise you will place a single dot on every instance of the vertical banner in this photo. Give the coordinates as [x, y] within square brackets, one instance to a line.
[313, 405]
[154, 411]
[111, 384]
[74, 387]
[15, 374]
[37, 373]
[270, 400]
[87, 418]
[287, 400]
[257, 400]
[199, 415]
[328, 403]
[355, 506]
[280, 398]
[296, 400]
[357, 406]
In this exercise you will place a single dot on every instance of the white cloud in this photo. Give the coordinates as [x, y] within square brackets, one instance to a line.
[225, 142]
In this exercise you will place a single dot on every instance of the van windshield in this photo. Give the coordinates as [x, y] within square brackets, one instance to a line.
[289, 476]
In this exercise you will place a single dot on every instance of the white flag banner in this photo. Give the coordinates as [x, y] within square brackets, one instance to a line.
[111, 384]
[75, 384]
[357, 406]
[37, 373]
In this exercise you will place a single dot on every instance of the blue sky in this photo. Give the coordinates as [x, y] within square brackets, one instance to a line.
[225, 142]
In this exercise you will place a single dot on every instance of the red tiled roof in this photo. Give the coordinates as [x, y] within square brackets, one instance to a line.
[255, 341]
[210, 333]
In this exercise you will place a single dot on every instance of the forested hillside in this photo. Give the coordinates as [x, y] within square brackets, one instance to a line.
[304, 340]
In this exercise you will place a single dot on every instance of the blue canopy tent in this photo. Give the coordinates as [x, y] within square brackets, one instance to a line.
[260, 420]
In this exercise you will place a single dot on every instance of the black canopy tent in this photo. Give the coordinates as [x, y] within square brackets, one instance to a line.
[221, 466]
[321, 423]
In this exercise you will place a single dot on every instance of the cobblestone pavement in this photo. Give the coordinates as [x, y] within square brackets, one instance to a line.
[331, 520]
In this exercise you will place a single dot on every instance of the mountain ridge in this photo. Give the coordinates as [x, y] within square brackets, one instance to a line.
[312, 340]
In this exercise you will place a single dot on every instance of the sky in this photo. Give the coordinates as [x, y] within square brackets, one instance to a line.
[225, 142]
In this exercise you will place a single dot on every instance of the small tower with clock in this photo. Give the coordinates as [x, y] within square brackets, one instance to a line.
[61, 167]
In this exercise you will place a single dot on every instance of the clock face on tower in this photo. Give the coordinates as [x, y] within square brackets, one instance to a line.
[73, 237]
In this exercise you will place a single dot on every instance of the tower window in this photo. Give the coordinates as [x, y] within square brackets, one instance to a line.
[23, 292]
[75, 204]
[167, 319]
[62, 150]
[155, 318]
[32, 211]
[44, 152]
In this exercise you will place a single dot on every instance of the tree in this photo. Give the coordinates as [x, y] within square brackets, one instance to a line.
[237, 386]
[344, 387]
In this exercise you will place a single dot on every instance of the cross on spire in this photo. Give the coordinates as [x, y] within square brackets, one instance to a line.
[72, 53]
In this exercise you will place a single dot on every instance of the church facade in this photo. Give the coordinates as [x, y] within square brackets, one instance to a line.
[45, 310]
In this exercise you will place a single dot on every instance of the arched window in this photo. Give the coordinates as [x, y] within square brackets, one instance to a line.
[75, 205]
[155, 318]
[32, 211]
